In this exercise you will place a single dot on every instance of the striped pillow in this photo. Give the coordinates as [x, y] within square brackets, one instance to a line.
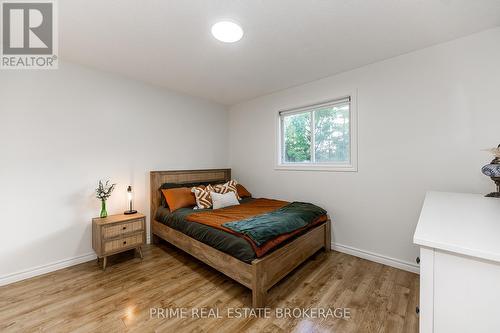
[230, 186]
[202, 196]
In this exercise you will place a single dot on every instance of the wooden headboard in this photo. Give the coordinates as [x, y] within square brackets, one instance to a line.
[159, 178]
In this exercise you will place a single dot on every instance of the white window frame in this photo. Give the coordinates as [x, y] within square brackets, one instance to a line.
[350, 166]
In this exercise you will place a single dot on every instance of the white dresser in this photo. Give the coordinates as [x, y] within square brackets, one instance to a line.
[459, 239]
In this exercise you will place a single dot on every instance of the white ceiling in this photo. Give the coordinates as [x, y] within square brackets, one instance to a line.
[286, 42]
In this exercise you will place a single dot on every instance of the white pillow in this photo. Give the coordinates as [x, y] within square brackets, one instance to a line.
[224, 200]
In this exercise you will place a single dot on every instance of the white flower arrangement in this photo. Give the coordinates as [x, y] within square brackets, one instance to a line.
[104, 190]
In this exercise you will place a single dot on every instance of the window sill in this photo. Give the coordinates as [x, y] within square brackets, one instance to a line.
[317, 167]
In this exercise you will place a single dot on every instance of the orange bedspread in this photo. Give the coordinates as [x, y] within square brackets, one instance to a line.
[215, 218]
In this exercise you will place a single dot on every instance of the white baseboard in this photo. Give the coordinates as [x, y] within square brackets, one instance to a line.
[381, 259]
[26, 274]
[32, 272]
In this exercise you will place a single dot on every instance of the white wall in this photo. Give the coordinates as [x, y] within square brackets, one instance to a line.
[423, 119]
[61, 131]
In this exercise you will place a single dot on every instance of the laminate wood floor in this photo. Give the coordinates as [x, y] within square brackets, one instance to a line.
[83, 298]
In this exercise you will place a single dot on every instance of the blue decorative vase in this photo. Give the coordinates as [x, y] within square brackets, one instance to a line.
[493, 171]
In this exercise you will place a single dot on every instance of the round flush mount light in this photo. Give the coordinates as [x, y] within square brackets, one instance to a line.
[227, 32]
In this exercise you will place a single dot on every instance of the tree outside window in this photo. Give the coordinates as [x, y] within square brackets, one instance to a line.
[325, 128]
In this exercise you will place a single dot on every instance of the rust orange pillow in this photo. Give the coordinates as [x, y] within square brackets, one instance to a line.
[179, 198]
[242, 191]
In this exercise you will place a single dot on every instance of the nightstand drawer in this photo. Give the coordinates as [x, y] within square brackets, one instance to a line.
[122, 228]
[117, 244]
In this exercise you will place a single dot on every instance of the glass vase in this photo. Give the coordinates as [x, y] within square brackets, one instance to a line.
[104, 213]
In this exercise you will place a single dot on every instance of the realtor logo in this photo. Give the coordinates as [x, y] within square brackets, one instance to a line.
[29, 39]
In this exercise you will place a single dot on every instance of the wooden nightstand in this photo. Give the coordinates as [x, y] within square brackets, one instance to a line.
[118, 233]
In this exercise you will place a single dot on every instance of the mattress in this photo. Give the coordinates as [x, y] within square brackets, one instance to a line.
[245, 231]
[218, 239]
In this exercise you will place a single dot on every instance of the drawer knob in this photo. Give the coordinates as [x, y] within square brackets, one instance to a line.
[418, 260]
[417, 310]
[124, 228]
[124, 242]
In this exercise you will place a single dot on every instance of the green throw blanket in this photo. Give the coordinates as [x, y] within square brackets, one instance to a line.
[262, 228]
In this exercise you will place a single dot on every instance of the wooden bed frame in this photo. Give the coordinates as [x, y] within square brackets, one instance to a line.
[262, 273]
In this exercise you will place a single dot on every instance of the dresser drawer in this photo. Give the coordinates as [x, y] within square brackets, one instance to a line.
[121, 243]
[122, 228]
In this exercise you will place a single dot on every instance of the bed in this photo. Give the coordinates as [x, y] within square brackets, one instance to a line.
[229, 254]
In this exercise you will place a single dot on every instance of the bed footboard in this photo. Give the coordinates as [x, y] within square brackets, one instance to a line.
[263, 273]
[270, 269]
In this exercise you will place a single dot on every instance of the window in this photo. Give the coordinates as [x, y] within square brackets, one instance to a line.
[318, 137]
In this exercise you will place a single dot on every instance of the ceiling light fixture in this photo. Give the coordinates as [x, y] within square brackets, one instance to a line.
[227, 32]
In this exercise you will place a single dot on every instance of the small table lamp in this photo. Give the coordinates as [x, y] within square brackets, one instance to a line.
[492, 170]
[130, 197]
